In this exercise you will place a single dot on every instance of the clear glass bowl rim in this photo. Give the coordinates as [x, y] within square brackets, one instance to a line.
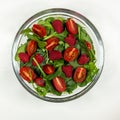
[65, 11]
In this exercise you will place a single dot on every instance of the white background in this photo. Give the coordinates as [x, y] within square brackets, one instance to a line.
[102, 102]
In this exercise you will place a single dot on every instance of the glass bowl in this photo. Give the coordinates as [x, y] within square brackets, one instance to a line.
[89, 27]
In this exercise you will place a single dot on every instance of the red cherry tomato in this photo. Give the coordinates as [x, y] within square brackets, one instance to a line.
[80, 74]
[52, 43]
[31, 47]
[88, 45]
[48, 69]
[71, 26]
[59, 84]
[39, 81]
[70, 54]
[27, 73]
[39, 30]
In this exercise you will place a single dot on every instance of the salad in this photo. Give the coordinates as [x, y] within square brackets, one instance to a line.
[57, 57]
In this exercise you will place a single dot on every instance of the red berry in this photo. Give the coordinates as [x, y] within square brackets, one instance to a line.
[58, 26]
[70, 39]
[39, 81]
[83, 59]
[38, 58]
[67, 70]
[24, 57]
[55, 55]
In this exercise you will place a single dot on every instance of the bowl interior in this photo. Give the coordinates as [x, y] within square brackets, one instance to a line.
[89, 27]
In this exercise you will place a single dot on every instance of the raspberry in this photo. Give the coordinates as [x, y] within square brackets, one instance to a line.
[58, 26]
[55, 55]
[38, 58]
[67, 70]
[24, 57]
[83, 59]
[70, 39]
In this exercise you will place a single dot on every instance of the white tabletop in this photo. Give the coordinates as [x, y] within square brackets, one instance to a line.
[102, 102]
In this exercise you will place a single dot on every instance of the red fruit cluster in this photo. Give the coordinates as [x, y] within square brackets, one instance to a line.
[83, 59]
[58, 26]
[70, 54]
[38, 58]
[24, 57]
[55, 55]
[70, 39]
[67, 70]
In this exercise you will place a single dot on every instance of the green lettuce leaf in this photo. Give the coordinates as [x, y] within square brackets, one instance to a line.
[20, 49]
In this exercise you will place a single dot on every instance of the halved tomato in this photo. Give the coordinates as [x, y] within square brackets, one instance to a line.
[39, 30]
[48, 69]
[39, 81]
[88, 45]
[52, 43]
[31, 47]
[59, 84]
[27, 73]
[71, 26]
[70, 54]
[80, 74]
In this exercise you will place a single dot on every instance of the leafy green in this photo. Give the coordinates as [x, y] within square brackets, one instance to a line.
[71, 85]
[26, 31]
[58, 63]
[41, 44]
[61, 36]
[88, 52]
[20, 49]
[41, 51]
[59, 47]
[83, 35]
[42, 72]
[31, 36]
[42, 91]
[77, 45]
[66, 45]
[51, 89]
[61, 19]
[57, 73]
[47, 24]
[49, 19]
[74, 63]
[25, 64]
